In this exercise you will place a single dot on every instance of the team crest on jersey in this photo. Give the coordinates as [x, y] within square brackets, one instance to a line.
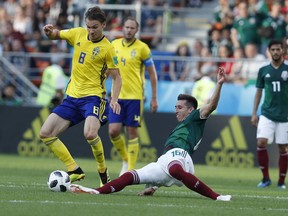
[133, 53]
[284, 75]
[95, 52]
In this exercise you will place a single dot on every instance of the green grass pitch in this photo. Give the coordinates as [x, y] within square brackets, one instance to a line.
[23, 191]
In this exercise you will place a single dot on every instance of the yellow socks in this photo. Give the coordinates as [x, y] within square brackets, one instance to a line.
[98, 152]
[133, 149]
[120, 145]
[60, 150]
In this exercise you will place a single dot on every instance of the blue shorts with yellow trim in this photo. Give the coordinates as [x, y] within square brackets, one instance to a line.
[77, 109]
[130, 114]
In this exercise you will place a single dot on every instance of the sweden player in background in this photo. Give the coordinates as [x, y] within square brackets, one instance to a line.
[134, 57]
[175, 166]
[273, 120]
[94, 58]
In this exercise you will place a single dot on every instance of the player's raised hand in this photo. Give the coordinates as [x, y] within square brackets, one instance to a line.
[221, 75]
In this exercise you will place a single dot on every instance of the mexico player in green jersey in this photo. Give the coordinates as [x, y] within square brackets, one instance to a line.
[94, 58]
[134, 57]
[273, 121]
[175, 166]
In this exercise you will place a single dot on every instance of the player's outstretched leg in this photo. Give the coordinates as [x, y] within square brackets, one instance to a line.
[116, 185]
[193, 183]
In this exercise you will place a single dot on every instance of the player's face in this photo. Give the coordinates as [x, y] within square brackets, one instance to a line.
[182, 111]
[276, 52]
[130, 29]
[95, 29]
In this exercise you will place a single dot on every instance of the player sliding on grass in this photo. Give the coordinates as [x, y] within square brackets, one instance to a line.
[175, 166]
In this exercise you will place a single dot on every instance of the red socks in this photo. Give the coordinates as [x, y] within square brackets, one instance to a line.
[118, 184]
[283, 160]
[263, 161]
[191, 181]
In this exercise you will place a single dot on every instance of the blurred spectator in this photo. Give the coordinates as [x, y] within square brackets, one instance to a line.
[10, 34]
[10, 7]
[245, 27]
[238, 56]
[258, 7]
[204, 66]
[254, 61]
[3, 20]
[203, 88]
[226, 37]
[9, 97]
[223, 14]
[179, 69]
[226, 54]
[18, 58]
[284, 9]
[21, 22]
[197, 47]
[39, 19]
[151, 22]
[54, 81]
[55, 8]
[273, 26]
[215, 41]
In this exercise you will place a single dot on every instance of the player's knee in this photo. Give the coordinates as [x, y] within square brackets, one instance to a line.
[43, 134]
[90, 134]
[176, 171]
[262, 143]
[113, 133]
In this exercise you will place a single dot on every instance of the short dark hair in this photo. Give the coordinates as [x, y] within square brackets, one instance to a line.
[95, 13]
[131, 18]
[190, 100]
[275, 42]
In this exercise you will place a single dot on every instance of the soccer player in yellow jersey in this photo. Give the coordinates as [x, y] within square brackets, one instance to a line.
[134, 57]
[94, 58]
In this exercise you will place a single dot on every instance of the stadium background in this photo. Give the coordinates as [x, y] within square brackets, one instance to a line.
[229, 140]
[229, 137]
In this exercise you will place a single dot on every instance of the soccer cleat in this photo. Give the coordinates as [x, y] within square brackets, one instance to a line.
[76, 175]
[124, 168]
[74, 188]
[281, 186]
[264, 183]
[224, 198]
[104, 178]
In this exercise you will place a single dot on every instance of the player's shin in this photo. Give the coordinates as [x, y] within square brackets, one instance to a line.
[60, 151]
[133, 150]
[98, 152]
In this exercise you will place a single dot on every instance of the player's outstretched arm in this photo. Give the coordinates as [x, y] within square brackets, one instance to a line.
[212, 103]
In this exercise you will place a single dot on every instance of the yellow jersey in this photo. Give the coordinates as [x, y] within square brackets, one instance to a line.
[89, 63]
[133, 58]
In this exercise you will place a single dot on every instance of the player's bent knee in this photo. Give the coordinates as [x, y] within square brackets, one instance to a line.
[176, 171]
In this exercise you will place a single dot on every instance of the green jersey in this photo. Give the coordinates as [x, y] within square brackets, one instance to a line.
[188, 133]
[274, 81]
[247, 30]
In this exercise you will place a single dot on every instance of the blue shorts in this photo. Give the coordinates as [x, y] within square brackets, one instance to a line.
[130, 114]
[77, 109]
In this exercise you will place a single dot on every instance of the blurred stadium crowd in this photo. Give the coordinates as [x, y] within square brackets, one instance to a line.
[236, 39]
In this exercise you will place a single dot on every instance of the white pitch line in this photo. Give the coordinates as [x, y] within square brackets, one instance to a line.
[126, 204]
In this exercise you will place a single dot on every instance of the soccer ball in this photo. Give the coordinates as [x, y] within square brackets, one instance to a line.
[58, 181]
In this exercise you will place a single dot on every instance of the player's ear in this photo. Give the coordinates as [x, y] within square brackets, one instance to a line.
[191, 109]
[103, 25]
